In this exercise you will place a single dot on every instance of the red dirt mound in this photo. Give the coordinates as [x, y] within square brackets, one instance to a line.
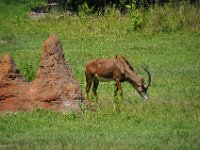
[53, 88]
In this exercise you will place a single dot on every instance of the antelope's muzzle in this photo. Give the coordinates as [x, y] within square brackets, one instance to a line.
[144, 95]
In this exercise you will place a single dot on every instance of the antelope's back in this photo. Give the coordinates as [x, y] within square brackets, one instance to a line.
[101, 66]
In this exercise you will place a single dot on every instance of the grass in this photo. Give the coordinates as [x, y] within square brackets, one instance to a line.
[106, 130]
[169, 120]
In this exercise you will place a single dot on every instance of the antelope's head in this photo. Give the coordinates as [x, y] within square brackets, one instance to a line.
[142, 88]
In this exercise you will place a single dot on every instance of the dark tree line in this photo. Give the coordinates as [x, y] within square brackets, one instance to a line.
[121, 4]
[103, 3]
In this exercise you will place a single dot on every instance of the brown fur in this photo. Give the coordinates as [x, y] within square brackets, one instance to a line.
[118, 69]
[127, 62]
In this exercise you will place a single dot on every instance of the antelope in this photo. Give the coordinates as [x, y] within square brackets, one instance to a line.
[117, 69]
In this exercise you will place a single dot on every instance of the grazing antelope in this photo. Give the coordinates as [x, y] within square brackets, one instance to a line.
[117, 69]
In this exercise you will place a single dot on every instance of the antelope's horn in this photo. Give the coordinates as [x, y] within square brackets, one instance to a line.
[149, 76]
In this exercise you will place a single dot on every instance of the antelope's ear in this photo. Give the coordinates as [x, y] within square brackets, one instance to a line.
[142, 81]
[143, 84]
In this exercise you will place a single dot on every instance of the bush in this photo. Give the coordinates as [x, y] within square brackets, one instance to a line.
[84, 9]
[136, 19]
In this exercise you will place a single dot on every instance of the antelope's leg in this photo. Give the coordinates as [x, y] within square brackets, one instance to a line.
[116, 90]
[95, 86]
[89, 80]
[88, 86]
[116, 100]
[119, 87]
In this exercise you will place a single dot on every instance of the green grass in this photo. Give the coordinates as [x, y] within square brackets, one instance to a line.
[169, 120]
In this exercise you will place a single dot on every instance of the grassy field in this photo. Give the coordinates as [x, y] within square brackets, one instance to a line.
[169, 120]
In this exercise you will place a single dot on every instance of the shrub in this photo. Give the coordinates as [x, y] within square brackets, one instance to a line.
[84, 9]
[136, 19]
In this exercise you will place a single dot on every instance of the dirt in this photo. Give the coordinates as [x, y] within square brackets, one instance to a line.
[53, 88]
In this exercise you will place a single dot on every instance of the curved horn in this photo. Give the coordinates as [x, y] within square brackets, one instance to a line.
[149, 76]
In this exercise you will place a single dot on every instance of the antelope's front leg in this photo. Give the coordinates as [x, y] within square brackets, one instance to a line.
[119, 87]
[116, 90]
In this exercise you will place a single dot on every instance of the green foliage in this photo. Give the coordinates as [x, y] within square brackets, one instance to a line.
[136, 19]
[111, 12]
[170, 19]
[28, 3]
[84, 9]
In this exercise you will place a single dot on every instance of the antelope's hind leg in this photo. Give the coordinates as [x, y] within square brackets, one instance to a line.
[116, 90]
[95, 86]
[89, 79]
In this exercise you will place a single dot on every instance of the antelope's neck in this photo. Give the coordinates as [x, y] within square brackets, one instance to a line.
[134, 79]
